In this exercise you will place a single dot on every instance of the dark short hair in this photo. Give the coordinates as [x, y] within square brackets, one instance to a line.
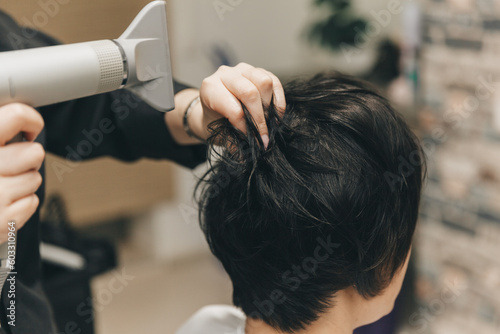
[331, 204]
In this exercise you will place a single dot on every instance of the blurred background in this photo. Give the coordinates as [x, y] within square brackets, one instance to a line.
[436, 60]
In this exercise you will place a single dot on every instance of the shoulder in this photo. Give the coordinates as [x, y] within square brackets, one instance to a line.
[215, 319]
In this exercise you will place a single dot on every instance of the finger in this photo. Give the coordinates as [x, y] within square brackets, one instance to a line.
[264, 83]
[20, 186]
[245, 91]
[218, 99]
[278, 93]
[21, 210]
[16, 118]
[18, 158]
[262, 79]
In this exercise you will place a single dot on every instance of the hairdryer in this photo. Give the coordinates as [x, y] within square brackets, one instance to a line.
[139, 60]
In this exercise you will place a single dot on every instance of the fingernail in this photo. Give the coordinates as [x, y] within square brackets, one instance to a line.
[265, 140]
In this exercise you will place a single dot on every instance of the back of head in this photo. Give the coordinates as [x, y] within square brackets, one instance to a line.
[326, 207]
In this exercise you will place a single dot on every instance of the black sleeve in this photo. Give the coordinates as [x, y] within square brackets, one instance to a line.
[116, 124]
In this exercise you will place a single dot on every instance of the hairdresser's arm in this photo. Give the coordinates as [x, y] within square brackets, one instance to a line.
[115, 124]
[222, 95]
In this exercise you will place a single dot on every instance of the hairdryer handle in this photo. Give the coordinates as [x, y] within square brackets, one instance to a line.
[17, 139]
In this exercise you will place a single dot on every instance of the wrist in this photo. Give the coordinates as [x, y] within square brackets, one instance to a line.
[197, 122]
[174, 119]
[193, 121]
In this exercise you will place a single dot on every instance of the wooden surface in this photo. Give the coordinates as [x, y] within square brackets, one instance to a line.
[75, 20]
[104, 189]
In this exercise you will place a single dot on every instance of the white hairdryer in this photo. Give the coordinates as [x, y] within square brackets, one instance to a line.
[139, 61]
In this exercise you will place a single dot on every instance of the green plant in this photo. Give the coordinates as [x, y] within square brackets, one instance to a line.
[340, 27]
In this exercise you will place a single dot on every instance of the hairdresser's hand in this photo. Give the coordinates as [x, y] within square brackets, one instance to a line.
[19, 165]
[223, 94]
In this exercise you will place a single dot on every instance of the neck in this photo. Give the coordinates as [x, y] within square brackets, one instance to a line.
[254, 326]
[340, 319]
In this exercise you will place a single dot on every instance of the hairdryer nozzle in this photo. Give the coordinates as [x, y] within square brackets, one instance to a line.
[147, 56]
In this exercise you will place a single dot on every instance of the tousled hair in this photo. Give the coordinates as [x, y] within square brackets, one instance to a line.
[327, 206]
